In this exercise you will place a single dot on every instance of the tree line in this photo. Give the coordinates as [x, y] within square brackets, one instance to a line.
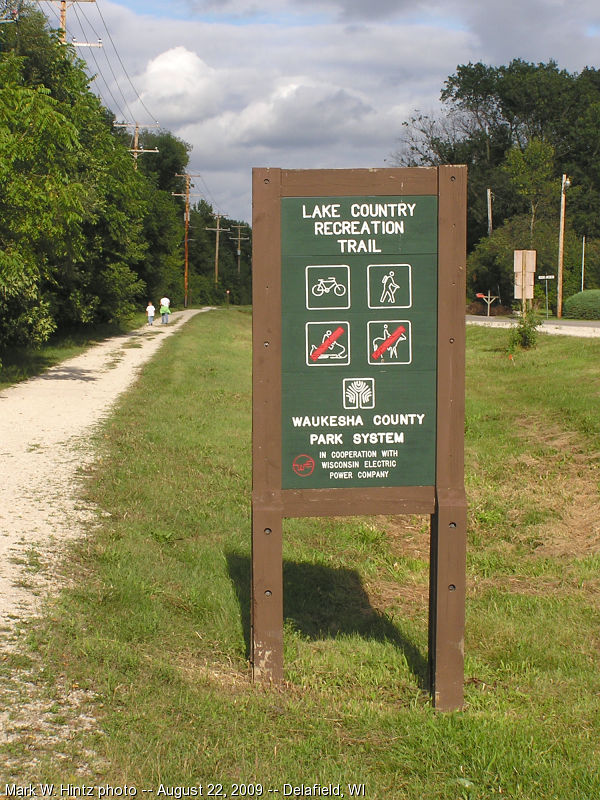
[85, 237]
[519, 128]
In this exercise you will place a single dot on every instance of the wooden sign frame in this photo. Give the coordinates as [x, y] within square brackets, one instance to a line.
[445, 500]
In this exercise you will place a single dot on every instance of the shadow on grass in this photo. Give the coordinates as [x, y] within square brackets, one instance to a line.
[323, 602]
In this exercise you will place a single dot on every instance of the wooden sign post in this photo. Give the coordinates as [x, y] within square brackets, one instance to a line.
[358, 377]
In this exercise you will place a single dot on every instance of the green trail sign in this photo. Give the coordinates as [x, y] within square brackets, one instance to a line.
[358, 378]
[359, 341]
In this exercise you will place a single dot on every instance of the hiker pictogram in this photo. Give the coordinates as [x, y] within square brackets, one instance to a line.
[389, 285]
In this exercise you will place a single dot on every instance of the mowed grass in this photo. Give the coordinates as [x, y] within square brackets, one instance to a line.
[156, 620]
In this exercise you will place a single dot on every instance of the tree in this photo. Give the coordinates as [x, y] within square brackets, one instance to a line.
[518, 128]
[41, 208]
[490, 265]
[531, 173]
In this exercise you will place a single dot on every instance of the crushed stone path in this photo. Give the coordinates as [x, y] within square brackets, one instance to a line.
[45, 426]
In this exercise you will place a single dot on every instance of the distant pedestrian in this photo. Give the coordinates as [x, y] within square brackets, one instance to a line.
[165, 310]
[150, 311]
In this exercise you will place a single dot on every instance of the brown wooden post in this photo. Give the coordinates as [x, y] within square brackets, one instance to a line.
[448, 524]
[267, 566]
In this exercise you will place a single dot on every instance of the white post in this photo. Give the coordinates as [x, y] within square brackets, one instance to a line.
[582, 261]
[561, 244]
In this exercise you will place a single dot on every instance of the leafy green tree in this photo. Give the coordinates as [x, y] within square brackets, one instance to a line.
[165, 168]
[518, 127]
[531, 173]
[491, 264]
[41, 206]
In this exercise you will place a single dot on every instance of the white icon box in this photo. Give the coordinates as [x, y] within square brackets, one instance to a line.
[389, 285]
[327, 344]
[358, 393]
[327, 287]
[389, 341]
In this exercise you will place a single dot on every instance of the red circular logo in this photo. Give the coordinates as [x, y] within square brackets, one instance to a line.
[303, 465]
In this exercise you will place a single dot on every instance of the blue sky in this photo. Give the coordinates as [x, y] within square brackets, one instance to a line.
[307, 83]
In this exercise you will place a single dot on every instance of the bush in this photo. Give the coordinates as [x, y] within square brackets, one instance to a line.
[583, 305]
[524, 334]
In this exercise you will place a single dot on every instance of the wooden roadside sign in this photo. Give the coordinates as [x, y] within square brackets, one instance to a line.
[358, 378]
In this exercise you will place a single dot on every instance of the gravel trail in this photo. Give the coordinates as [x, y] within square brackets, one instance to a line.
[45, 427]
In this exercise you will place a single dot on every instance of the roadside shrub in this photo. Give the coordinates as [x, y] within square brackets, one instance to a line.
[525, 333]
[583, 305]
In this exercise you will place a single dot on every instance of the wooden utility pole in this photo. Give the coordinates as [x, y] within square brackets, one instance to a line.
[186, 194]
[489, 212]
[63, 17]
[136, 149]
[239, 238]
[218, 231]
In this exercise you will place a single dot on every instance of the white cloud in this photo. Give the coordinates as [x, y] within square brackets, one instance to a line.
[181, 85]
[324, 83]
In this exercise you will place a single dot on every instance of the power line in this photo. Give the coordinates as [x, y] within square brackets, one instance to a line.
[208, 194]
[123, 65]
[117, 82]
[98, 67]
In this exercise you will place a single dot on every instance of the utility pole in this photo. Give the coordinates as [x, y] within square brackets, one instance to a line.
[218, 230]
[489, 212]
[136, 149]
[566, 182]
[239, 238]
[63, 18]
[186, 194]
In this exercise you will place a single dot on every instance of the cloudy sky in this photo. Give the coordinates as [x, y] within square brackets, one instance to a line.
[305, 83]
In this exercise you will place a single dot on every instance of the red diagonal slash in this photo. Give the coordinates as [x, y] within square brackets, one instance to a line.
[389, 342]
[327, 343]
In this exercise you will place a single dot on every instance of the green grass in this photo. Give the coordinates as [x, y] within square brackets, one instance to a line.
[20, 363]
[156, 622]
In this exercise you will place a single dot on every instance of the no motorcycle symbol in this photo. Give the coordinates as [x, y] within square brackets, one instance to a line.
[303, 465]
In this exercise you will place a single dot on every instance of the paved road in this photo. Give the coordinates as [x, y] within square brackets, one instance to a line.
[562, 327]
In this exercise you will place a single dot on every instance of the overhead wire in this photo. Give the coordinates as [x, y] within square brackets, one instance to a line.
[210, 197]
[116, 80]
[50, 8]
[97, 4]
[117, 106]
[99, 72]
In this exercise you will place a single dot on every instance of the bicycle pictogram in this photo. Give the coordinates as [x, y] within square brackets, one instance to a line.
[326, 285]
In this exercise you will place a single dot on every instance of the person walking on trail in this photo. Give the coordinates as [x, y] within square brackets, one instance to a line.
[150, 311]
[164, 311]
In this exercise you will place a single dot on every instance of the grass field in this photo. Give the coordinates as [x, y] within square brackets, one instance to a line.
[155, 623]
